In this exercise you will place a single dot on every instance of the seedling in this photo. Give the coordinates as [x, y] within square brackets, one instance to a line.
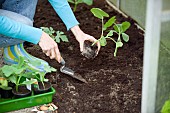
[76, 2]
[57, 36]
[40, 76]
[118, 29]
[17, 73]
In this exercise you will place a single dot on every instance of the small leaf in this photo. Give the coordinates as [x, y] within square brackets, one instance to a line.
[88, 2]
[64, 38]
[110, 33]
[102, 41]
[117, 27]
[57, 39]
[125, 37]
[110, 22]
[97, 12]
[125, 26]
[119, 44]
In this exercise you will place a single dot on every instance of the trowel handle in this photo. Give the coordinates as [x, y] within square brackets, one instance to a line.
[62, 61]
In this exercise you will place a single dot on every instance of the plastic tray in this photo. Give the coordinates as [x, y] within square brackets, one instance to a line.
[20, 103]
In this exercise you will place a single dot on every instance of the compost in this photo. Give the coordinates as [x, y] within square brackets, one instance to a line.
[114, 83]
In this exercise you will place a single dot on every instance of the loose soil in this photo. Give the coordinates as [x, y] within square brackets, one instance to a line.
[114, 83]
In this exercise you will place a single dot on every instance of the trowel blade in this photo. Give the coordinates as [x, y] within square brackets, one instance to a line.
[70, 72]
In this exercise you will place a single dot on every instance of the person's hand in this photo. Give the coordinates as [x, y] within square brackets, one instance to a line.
[49, 47]
[81, 37]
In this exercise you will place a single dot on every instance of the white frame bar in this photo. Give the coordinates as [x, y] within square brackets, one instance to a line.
[151, 55]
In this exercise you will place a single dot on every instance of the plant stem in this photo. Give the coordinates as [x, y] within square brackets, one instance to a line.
[75, 7]
[43, 84]
[101, 33]
[102, 27]
[111, 39]
[17, 84]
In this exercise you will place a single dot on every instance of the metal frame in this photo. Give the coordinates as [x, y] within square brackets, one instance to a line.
[151, 55]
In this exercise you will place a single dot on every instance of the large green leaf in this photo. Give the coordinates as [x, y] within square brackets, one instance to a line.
[97, 12]
[5, 87]
[125, 37]
[6, 68]
[29, 82]
[13, 79]
[110, 22]
[125, 26]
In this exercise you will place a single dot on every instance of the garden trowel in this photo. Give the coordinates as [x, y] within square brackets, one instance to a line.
[70, 72]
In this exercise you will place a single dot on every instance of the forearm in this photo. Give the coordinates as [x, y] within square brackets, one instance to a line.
[64, 11]
[11, 28]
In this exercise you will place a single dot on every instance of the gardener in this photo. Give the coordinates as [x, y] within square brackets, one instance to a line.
[16, 26]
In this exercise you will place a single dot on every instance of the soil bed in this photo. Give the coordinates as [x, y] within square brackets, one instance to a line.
[114, 83]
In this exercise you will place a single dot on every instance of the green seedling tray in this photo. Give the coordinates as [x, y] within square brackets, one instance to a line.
[7, 105]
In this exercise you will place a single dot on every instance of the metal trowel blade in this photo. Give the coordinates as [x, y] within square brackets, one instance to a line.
[70, 72]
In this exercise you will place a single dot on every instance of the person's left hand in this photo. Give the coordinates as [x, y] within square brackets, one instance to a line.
[81, 37]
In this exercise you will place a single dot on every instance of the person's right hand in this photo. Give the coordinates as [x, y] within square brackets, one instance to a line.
[49, 47]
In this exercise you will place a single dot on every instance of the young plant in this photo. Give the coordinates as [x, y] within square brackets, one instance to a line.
[40, 76]
[18, 73]
[76, 2]
[56, 35]
[118, 29]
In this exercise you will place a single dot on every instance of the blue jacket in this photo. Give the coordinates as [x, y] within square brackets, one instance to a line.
[11, 28]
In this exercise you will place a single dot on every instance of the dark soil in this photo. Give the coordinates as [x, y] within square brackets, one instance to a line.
[114, 83]
[42, 89]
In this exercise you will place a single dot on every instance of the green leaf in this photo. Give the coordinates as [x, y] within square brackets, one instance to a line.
[60, 35]
[117, 28]
[110, 22]
[20, 62]
[110, 33]
[125, 37]
[125, 26]
[6, 68]
[88, 2]
[97, 12]
[64, 38]
[13, 79]
[71, 1]
[3, 81]
[5, 87]
[102, 41]
[57, 39]
[119, 44]
[29, 82]
[166, 107]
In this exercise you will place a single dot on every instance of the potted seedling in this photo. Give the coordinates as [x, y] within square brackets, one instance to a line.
[18, 75]
[5, 89]
[76, 2]
[117, 29]
[42, 85]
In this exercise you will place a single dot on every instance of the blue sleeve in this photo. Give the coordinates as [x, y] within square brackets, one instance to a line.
[11, 28]
[64, 11]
